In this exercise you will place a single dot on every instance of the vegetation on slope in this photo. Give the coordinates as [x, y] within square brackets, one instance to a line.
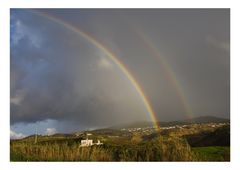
[160, 149]
[191, 143]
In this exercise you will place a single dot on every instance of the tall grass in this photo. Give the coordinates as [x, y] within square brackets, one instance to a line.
[160, 149]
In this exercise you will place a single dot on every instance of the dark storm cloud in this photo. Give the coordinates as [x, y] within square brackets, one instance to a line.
[58, 75]
[67, 79]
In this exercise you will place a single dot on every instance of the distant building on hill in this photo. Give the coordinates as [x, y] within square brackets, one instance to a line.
[89, 142]
[86, 142]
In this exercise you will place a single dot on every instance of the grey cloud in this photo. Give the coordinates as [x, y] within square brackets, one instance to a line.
[60, 83]
[224, 45]
[68, 79]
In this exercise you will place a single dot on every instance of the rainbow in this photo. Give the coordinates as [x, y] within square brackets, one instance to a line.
[168, 71]
[111, 56]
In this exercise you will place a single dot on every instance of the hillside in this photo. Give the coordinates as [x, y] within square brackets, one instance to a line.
[192, 142]
[206, 119]
[197, 139]
[201, 119]
[219, 137]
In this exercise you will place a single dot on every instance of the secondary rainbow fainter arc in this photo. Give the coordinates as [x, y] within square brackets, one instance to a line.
[112, 56]
[168, 71]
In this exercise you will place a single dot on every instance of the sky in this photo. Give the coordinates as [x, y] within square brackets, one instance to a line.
[177, 61]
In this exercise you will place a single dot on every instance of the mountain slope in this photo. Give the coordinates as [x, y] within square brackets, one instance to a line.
[206, 119]
[219, 137]
[201, 119]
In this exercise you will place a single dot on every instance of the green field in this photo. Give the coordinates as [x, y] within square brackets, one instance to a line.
[212, 153]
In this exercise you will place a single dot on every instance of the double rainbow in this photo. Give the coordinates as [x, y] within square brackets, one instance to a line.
[110, 55]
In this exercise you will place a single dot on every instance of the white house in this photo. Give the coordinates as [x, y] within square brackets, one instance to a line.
[86, 142]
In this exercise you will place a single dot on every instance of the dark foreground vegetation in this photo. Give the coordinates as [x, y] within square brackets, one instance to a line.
[173, 144]
[169, 149]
